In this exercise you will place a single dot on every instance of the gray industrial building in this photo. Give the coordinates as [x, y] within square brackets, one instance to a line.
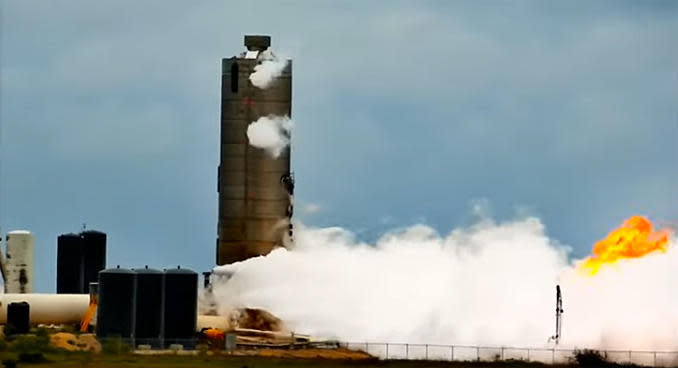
[255, 189]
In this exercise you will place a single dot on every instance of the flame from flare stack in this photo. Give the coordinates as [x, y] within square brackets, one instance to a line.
[634, 239]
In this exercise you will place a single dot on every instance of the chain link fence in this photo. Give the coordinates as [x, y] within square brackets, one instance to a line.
[399, 351]
[493, 353]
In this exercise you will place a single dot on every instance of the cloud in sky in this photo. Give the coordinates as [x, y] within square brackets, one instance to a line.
[110, 116]
[311, 208]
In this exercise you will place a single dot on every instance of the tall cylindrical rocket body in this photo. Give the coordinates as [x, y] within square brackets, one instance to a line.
[255, 188]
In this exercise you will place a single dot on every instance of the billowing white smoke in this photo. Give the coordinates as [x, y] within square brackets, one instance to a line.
[632, 305]
[271, 133]
[267, 70]
[491, 284]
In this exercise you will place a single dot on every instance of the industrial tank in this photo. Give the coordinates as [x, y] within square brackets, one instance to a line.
[255, 189]
[18, 318]
[93, 256]
[48, 308]
[115, 312]
[19, 263]
[69, 264]
[80, 257]
[180, 305]
[149, 299]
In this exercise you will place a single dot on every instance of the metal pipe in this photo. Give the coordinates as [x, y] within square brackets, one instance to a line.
[219, 322]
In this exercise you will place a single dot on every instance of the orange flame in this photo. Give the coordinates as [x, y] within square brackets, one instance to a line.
[634, 239]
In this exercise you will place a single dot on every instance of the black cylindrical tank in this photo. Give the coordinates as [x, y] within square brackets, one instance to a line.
[69, 264]
[149, 298]
[180, 306]
[18, 318]
[93, 256]
[117, 294]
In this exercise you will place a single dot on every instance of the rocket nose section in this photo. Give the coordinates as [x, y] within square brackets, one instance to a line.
[257, 42]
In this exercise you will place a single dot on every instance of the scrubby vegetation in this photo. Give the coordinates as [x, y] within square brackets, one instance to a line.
[115, 346]
[25, 348]
[590, 358]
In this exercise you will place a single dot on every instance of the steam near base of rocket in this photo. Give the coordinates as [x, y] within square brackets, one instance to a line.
[491, 283]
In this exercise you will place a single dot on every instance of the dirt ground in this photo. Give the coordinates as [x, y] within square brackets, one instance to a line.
[335, 354]
[87, 360]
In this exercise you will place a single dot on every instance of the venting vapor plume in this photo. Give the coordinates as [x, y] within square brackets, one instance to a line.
[271, 133]
[270, 68]
[487, 284]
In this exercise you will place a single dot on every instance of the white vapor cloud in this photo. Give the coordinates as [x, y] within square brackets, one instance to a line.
[491, 284]
[311, 208]
[271, 67]
[271, 133]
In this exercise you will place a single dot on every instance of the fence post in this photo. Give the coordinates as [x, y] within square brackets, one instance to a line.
[386, 351]
[478, 353]
[502, 353]
[452, 353]
[407, 351]
[367, 347]
[528, 354]
[655, 359]
[426, 351]
[629, 356]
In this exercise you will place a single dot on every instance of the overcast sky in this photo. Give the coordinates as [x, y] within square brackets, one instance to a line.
[406, 112]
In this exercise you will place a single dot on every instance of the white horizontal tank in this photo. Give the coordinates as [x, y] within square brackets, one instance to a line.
[19, 262]
[48, 308]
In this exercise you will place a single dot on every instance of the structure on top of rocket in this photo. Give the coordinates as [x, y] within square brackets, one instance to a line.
[255, 189]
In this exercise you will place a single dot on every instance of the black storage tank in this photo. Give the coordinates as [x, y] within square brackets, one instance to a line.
[93, 256]
[69, 264]
[180, 306]
[149, 298]
[18, 318]
[115, 312]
